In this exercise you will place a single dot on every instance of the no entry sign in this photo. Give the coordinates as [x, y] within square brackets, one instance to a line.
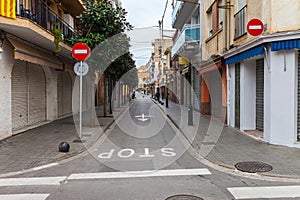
[80, 51]
[255, 27]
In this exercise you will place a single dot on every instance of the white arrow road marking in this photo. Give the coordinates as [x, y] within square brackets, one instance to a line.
[265, 192]
[24, 197]
[32, 181]
[80, 51]
[140, 174]
[143, 118]
[255, 27]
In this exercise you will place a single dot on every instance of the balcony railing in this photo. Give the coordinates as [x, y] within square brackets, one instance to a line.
[190, 33]
[240, 23]
[41, 14]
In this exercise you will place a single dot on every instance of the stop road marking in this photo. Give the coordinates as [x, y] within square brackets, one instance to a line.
[127, 153]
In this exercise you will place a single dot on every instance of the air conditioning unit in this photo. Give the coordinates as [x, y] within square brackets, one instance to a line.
[69, 19]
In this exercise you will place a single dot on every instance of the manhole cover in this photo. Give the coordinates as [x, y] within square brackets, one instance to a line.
[183, 197]
[253, 167]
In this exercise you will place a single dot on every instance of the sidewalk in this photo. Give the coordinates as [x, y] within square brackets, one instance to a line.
[233, 146]
[39, 146]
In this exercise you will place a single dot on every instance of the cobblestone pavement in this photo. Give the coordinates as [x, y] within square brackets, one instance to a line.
[39, 146]
[233, 146]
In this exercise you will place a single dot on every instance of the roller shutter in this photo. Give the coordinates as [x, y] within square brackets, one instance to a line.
[37, 94]
[260, 94]
[28, 95]
[64, 94]
[237, 96]
[298, 106]
[19, 95]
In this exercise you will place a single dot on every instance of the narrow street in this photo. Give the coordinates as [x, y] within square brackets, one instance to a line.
[138, 159]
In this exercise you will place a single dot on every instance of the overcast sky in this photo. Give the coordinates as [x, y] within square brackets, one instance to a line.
[144, 16]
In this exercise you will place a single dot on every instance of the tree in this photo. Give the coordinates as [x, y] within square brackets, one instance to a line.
[102, 24]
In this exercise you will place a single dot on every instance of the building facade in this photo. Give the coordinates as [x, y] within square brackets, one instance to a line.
[249, 82]
[186, 51]
[36, 79]
[263, 71]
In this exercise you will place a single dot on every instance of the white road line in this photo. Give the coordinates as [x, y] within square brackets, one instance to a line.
[45, 166]
[265, 192]
[255, 27]
[24, 197]
[140, 174]
[31, 181]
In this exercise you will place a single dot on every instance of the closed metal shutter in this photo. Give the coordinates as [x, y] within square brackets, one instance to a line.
[215, 90]
[197, 91]
[298, 106]
[60, 94]
[67, 101]
[19, 95]
[37, 94]
[260, 94]
[64, 94]
[237, 96]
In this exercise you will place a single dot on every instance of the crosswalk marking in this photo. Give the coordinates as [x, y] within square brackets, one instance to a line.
[140, 174]
[31, 181]
[24, 196]
[265, 192]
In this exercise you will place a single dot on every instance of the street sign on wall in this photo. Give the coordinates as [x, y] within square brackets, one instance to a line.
[80, 51]
[255, 27]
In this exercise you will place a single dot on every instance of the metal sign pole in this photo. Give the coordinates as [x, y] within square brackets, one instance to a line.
[80, 102]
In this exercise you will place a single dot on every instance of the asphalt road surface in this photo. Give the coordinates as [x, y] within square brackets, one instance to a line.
[141, 157]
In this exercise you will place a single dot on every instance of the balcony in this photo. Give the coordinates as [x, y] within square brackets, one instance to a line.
[187, 44]
[44, 16]
[182, 12]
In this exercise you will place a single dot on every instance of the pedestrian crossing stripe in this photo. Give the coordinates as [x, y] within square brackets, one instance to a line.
[265, 192]
[24, 196]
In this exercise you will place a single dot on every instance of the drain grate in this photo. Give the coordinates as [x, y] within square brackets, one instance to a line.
[253, 167]
[183, 197]
[79, 141]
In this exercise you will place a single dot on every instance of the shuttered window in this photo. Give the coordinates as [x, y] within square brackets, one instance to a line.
[260, 94]
[237, 101]
[298, 106]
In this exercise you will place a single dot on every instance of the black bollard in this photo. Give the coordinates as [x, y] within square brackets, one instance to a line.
[63, 147]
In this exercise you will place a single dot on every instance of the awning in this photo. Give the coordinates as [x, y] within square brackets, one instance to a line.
[31, 54]
[246, 54]
[285, 45]
[211, 67]
[185, 70]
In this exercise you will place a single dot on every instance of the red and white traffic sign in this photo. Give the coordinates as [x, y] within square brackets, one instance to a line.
[81, 51]
[255, 27]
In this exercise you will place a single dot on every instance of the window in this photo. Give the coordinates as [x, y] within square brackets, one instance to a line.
[221, 14]
[215, 17]
[240, 19]
[210, 24]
